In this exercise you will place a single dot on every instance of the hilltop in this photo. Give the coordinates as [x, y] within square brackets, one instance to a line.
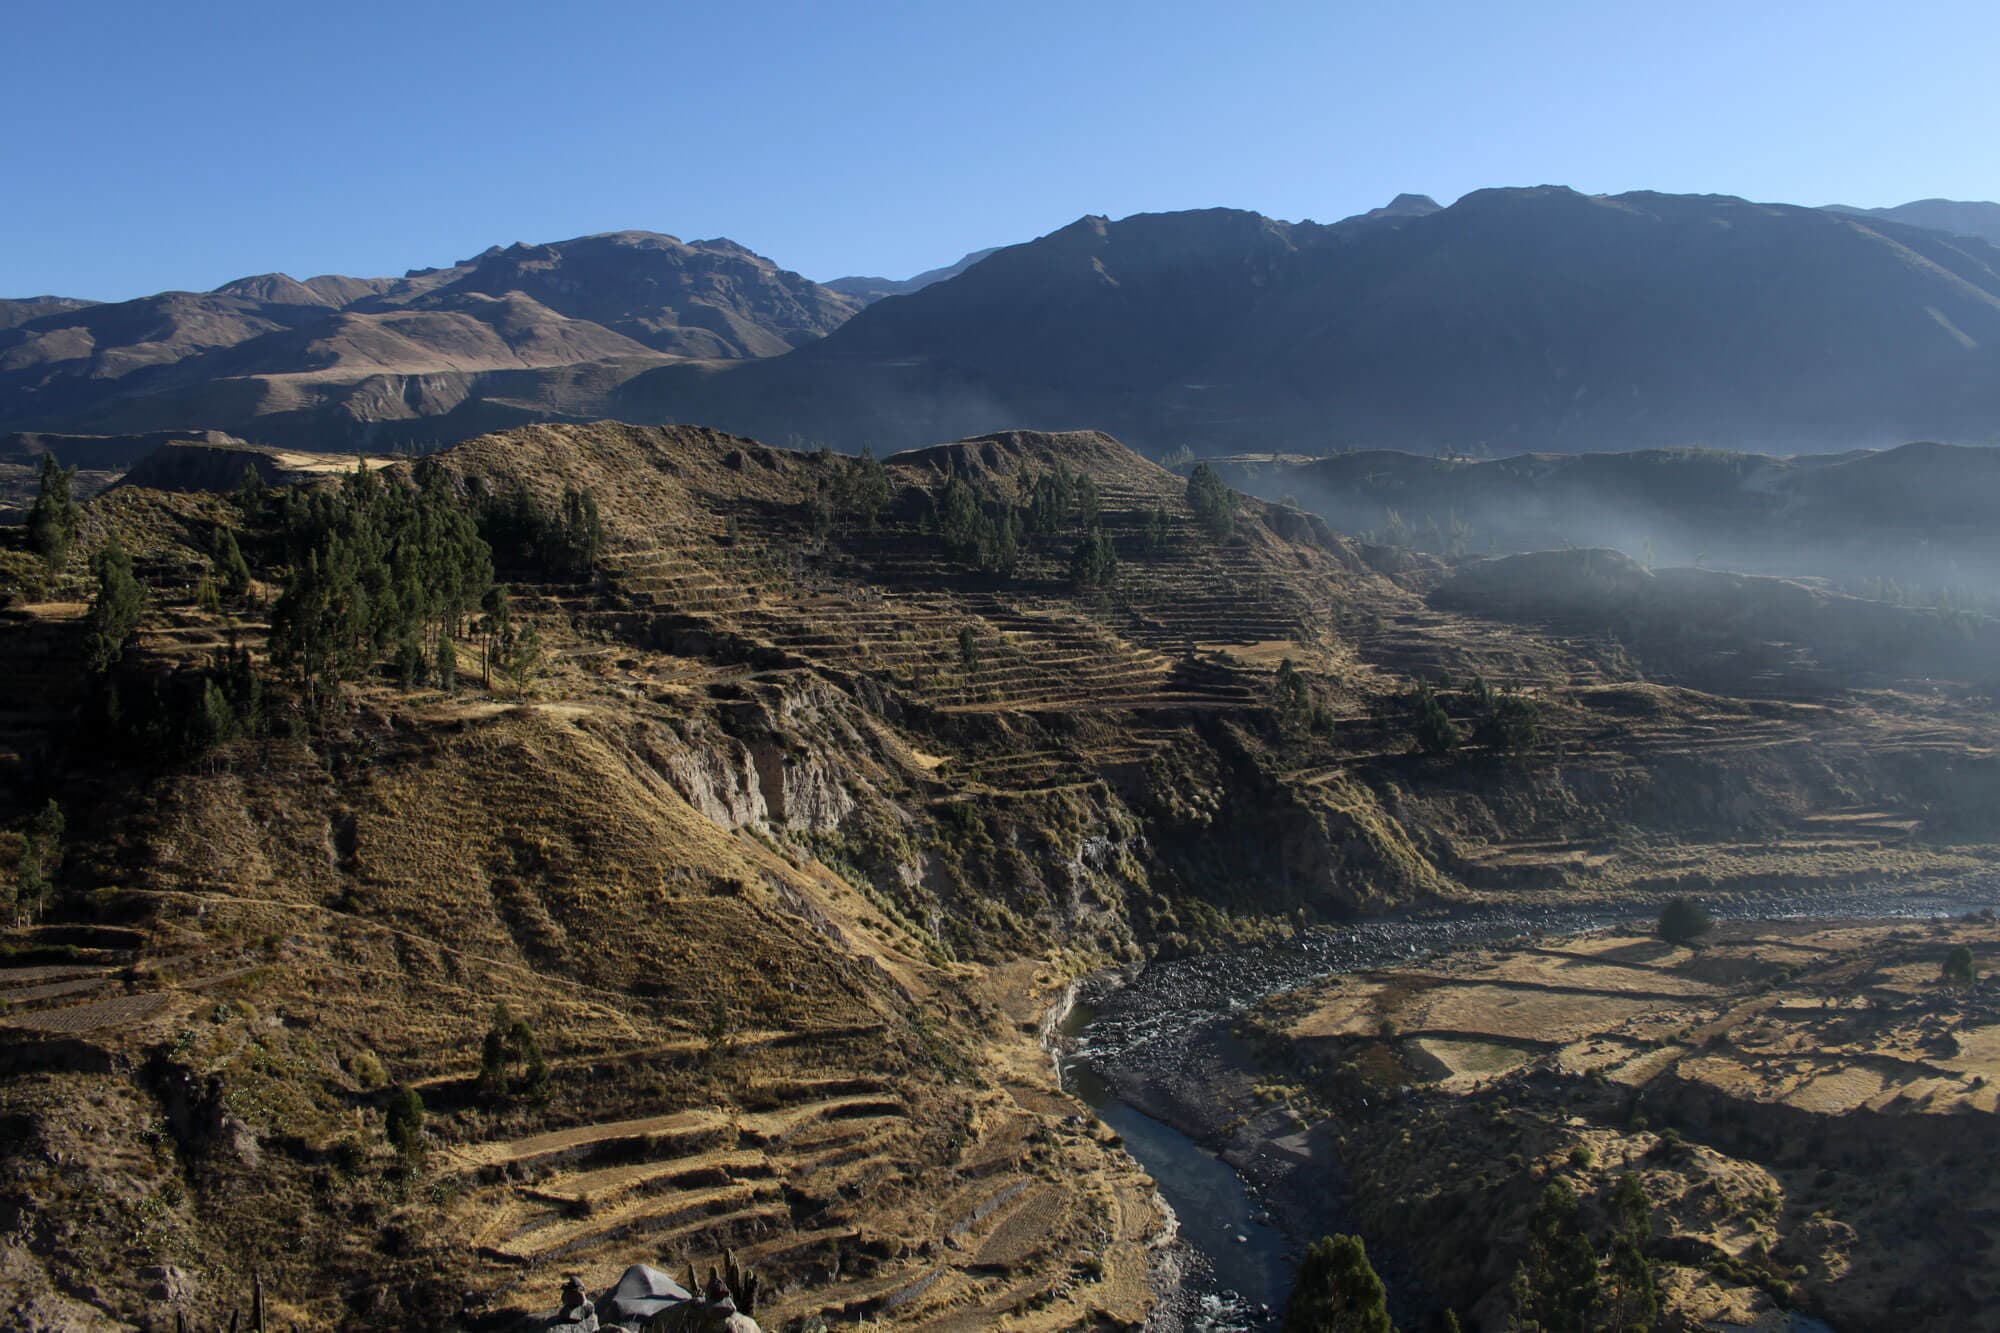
[822, 778]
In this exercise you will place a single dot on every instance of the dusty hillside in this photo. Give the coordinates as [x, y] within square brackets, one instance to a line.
[826, 778]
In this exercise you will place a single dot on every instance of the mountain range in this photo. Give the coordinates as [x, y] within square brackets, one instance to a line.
[1515, 319]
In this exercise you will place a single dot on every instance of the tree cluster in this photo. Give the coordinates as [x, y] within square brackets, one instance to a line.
[1430, 726]
[1573, 1282]
[1060, 500]
[984, 529]
[977, 527]
[509, 1045]
[858, 491]
[184, 713]
[35, 872]
[522, 534]
[1505, 722]
[1297, 708]
[378, 568]
[1093, 566]
[1213, 503]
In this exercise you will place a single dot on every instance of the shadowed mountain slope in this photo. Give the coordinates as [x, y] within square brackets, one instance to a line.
[1537, 318]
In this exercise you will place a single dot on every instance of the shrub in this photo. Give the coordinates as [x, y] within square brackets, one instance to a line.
[1957, 969]
[1683, 921]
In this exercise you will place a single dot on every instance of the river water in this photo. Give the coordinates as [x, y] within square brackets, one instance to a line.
[1239, 1268]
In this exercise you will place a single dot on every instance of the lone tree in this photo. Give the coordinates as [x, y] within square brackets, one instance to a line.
[115, 611]
[404, 1125]
[1957, 969]
[53, 520]
[1683, 921]
[1338, 1291]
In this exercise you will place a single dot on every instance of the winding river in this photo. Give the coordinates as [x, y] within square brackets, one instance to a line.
[1237, 1266]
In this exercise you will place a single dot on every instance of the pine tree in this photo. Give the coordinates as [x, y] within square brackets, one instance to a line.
[1337, 1291]
[232, 571]
[115, 611]
[52, 522]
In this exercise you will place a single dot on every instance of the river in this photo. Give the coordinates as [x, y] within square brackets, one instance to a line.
[1238, 1267]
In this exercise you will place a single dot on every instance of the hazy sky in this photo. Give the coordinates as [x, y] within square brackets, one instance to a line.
[152, 145]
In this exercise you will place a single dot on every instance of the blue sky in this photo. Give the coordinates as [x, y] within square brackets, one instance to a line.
[155, 145]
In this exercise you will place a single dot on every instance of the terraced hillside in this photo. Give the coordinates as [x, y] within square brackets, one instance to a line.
[814, 798]
[1755, 1095]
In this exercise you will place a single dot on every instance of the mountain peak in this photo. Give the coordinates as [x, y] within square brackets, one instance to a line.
[1411, 205]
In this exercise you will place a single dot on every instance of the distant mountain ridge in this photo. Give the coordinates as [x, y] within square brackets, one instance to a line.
[1952, 216]
[1515, 319]
[874, 289]
[333, 358]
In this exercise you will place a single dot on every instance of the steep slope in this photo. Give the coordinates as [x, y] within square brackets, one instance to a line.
[1537, 318]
